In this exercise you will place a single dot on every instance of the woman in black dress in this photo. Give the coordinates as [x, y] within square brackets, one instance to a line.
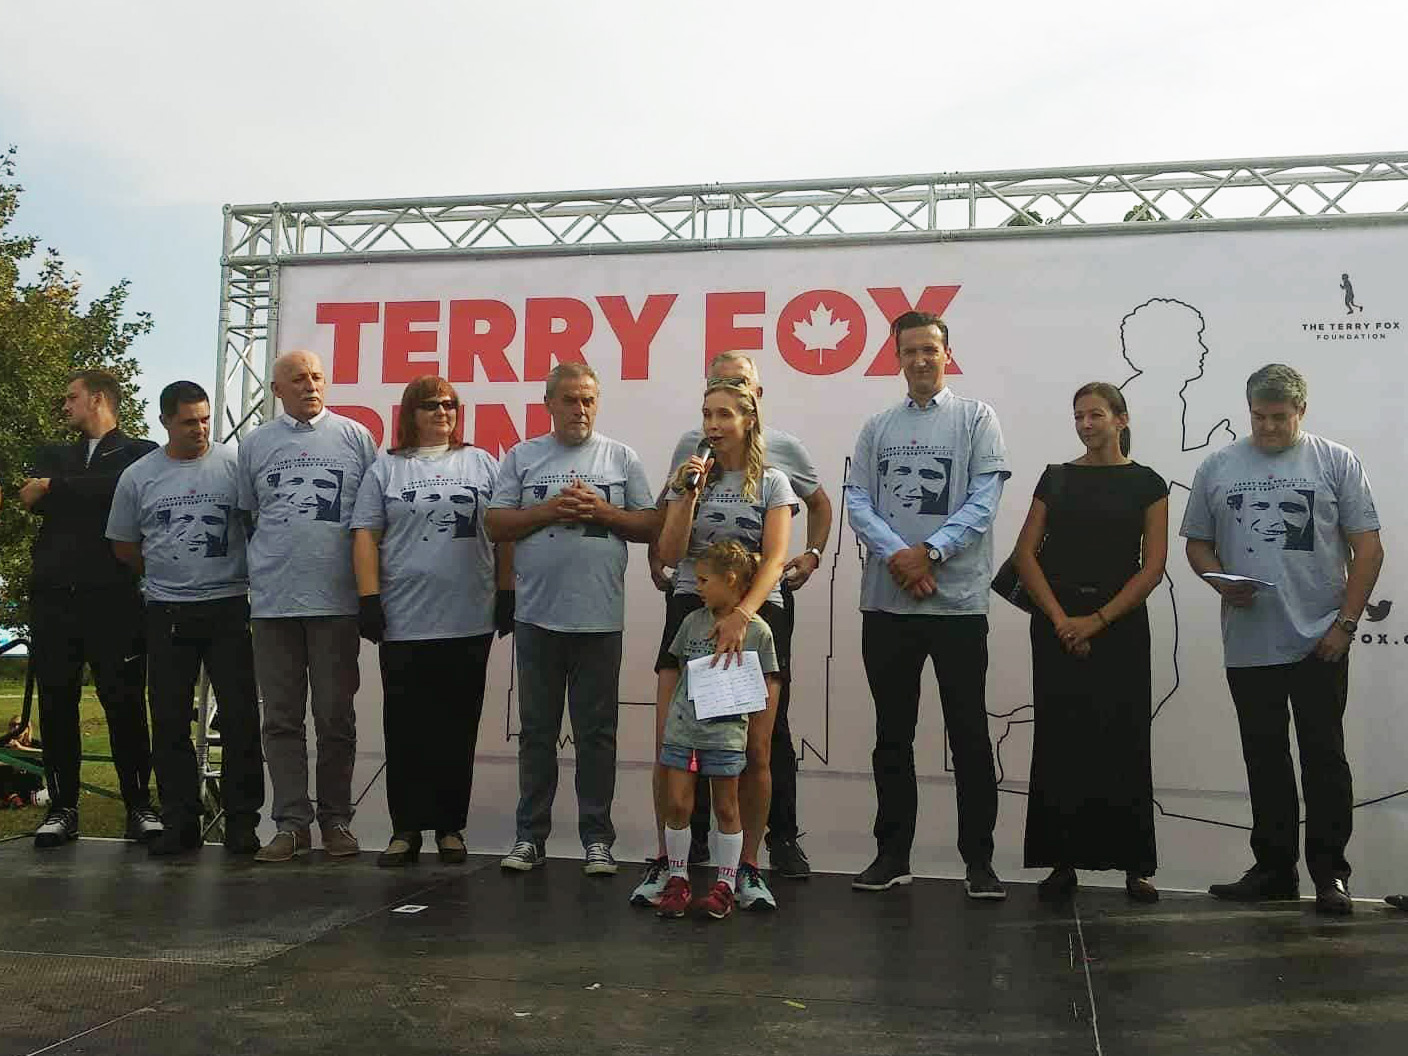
[1092, 549]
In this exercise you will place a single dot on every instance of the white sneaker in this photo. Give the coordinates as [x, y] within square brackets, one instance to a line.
[524, 858]
[599, 861]
[753, 890]
[57, 828]
[652, 886]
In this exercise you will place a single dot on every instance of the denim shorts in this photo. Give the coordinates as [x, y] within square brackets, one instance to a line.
[707, 762]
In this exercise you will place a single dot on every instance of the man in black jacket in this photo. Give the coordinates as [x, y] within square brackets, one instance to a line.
[85, 607]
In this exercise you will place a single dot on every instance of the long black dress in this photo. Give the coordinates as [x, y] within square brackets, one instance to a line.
[1091, 798]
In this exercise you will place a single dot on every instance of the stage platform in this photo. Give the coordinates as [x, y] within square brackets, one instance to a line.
[106, 951]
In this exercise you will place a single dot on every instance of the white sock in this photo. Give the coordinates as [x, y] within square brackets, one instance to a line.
[730, 847]
[677, 850]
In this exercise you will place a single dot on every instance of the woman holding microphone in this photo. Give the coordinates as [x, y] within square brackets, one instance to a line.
[1092, 549]
[726, 492]
[426, 578]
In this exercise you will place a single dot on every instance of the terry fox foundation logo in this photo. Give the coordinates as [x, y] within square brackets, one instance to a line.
[1353, 326]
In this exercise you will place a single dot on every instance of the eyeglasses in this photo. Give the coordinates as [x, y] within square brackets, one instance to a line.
[446, 405]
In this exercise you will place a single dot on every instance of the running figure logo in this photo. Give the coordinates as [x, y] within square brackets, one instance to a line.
[1350, 305]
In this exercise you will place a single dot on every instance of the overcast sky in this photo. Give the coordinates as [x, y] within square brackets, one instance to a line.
[137, 121]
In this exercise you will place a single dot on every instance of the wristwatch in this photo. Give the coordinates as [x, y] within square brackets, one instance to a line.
[815, 552]
[1347, 625]
[933, 553]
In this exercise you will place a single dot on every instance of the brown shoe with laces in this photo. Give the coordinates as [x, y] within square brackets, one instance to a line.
[284, 846]
[338, 841]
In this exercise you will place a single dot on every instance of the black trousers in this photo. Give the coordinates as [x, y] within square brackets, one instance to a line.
[102, 628]
[1317, 692]
[180, 637]
[894, 648]
[433, 694]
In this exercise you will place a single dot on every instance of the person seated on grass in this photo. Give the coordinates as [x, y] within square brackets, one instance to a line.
[17, 786]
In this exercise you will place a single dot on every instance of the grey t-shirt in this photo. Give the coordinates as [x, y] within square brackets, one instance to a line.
[781, 450]
[916, 464]
[301, 479]
[691, 642]
[1281, 517]
[437, 564]
[571, 577]
[186, 515]
[724, 512]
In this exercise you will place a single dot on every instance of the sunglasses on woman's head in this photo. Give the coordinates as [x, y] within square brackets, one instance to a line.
[446, 404]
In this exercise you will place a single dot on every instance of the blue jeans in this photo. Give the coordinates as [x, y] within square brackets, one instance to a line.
[584, 669]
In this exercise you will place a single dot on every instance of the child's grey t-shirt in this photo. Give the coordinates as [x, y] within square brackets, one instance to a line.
[571, 577]
[724, 512]
[186, 515]
[1281, 517]
[436, 561]
[301, 480]
[691, 642]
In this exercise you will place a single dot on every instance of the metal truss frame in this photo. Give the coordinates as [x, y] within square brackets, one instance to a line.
[1174, 196]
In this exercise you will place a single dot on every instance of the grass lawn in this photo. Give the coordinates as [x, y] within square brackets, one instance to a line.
[97, 815]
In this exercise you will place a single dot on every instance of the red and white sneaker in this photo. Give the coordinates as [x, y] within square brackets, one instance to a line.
[718, 903]
[675, 899]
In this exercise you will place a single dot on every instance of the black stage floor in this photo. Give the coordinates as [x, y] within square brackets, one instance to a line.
[105, 951]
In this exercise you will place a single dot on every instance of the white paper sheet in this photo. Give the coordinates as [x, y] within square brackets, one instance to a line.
[1228, 577]
[717, 691]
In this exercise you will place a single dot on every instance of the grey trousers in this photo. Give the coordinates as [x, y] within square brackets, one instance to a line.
[585, 669]
[292, 656]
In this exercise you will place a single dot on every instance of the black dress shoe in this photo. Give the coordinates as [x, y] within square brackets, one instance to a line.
[1140, 888]
[1058, 886]
[1397, 901]
[699, 850]
[240, 836]
[404, 849]
[174, 839]
[883, 874]
[1260, 885]
[1333, 899]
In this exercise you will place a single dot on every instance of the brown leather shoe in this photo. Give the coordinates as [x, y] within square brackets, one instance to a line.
[284, 846]
[338, 841]
[451, 847]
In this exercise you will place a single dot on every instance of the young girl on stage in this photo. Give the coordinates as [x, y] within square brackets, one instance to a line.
[712, 748]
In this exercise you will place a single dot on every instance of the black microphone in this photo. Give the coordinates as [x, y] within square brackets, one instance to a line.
[704, 451]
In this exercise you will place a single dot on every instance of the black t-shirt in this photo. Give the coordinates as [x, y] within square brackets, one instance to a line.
[1095, 524]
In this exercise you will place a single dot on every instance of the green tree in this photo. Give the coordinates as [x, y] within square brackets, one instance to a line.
[45, 334]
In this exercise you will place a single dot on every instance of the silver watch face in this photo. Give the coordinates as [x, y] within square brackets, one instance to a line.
[933, 554]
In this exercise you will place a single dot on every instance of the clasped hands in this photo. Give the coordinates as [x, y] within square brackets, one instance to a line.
[33, 489]
[912, 570]
[579, 503]
[1074, 633]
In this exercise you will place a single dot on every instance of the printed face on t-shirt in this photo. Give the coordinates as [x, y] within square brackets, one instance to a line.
[449, 509]
[1279, 516]
[203, 534]
[919, 484]
[311, 492]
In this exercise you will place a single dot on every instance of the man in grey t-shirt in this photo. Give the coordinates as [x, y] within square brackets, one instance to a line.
[924, 486]
[569, 502]
[785, 452]
[176, 520]
[299, 475]
[1292, 509]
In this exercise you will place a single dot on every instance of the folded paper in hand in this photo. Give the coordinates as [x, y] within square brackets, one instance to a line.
[1228, 577]
[736, 690]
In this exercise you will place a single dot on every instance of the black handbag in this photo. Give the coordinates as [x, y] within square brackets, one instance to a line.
[1007, 584]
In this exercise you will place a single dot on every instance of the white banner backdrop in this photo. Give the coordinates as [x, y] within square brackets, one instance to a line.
[1178, 320]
